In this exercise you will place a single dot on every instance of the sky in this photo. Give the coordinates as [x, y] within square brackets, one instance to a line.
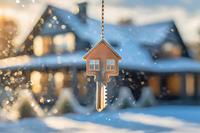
[185, 13]
[190, 5]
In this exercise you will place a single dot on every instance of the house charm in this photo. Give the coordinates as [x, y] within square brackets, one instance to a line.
[102, 63]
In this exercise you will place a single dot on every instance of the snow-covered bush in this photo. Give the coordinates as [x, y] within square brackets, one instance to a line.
[147, 98]
[26, 106]
[125, 99]
[67, 103]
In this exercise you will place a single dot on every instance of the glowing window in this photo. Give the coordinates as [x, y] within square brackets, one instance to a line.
[94, 65]
[38, 46]
[59, 41]
[110, 65]
[71, 42]
[59, 81]
[36, 82]
[64, 42]
[190, 84]
[41, 45]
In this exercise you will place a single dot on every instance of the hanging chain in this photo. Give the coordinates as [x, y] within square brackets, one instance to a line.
[102, 20]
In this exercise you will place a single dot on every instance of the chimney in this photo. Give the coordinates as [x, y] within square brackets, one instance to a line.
[82, 14]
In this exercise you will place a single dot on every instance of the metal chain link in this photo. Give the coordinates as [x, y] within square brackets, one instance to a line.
[102, 20]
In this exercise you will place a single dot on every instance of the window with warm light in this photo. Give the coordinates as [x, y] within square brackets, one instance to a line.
[94, 65]
[190, 84]
[47, 42]
[172, 50]
[110, 65]
[64, 42]
[59, 41]
[70, 41]
[38, 46]
[36, 82]
[59, 82]
[41, 45]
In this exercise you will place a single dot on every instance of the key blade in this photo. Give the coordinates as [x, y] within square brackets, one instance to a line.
[101, 98]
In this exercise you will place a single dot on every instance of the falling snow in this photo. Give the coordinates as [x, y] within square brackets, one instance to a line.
[43, 95]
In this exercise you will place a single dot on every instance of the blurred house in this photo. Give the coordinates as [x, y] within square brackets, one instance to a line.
[152, 55]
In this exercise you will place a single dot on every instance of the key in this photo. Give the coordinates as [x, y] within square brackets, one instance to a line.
[102, 62]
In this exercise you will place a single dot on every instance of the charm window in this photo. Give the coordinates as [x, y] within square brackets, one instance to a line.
[110, 65]
[94, 65]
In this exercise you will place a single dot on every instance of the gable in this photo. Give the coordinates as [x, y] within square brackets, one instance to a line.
[154, 36]
[50, 23]
[52, 26]
[102, 47]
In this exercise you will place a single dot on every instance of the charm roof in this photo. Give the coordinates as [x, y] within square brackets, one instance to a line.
[107, 44]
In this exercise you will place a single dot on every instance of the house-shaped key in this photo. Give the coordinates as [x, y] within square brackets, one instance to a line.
[102, 63]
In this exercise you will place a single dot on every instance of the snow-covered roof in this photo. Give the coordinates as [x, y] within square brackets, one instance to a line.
[177, 65]
[153, 34]
[50, 61]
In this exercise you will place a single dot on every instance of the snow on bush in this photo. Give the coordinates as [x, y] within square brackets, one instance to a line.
[124, 100]
[67, 103]
[26, 106]
[147, 98]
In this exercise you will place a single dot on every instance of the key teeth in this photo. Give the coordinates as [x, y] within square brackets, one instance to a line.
[105, 96]
[105, 102]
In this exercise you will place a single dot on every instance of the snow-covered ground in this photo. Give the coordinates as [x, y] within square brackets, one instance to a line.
[154, 119]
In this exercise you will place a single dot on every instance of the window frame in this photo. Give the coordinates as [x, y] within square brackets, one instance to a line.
[96, 65]
[110, 65]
